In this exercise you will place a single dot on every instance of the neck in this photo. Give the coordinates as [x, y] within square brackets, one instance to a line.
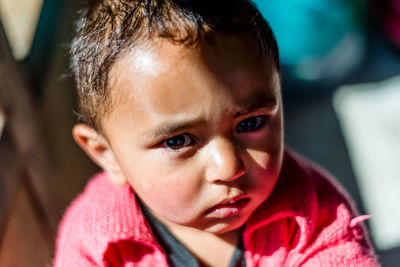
[199, 243]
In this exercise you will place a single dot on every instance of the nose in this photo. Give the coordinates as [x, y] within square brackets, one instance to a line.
[223, 161]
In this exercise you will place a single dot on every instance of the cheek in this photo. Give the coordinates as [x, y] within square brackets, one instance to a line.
[268, 152]
[260, 159]
[163, 189]
[263, 164]
[167, 191]
[163, 198]
[265, 160]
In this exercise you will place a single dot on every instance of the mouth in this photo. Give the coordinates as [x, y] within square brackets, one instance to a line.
[228, 208]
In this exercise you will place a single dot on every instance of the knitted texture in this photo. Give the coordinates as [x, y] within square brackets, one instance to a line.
[104, 226]
[306, 221]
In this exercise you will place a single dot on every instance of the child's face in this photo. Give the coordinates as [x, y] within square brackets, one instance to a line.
[197, 131]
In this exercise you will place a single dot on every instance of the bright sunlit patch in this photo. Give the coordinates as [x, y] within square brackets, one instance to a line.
[146, 62]
[19, 18]
[370, 118]
[218, 158]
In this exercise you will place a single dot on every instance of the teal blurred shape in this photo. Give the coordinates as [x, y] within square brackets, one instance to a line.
[310, 33]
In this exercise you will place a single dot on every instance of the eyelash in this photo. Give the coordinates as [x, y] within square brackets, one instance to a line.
[181, 141]
[249, 125]
[186, 141]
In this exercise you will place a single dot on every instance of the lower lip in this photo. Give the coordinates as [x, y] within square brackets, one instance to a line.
[228, 210]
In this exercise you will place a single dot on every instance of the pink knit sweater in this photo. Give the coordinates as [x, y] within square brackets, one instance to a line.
[307, 221]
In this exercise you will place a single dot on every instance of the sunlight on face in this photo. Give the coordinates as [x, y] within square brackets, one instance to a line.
[197, 131]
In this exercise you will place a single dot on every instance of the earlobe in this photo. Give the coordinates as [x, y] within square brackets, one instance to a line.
[98, 149]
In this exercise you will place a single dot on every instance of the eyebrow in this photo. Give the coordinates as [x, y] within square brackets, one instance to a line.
[254, 101]
[257, 100]
[174, 127]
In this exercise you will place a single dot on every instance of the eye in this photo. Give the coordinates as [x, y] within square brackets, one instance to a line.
[250, 124]
[178, 142]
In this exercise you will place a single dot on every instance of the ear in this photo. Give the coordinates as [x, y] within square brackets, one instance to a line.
[99, 150]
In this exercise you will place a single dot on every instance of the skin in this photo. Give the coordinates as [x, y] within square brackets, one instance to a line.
[176, 135]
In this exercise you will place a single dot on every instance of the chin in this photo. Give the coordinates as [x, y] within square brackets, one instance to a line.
[225, 227]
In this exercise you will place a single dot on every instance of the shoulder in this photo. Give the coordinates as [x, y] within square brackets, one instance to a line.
[317, 187]
[337, 234]
[306, 190]
[94, 219]
[315, 218]
[98, 201]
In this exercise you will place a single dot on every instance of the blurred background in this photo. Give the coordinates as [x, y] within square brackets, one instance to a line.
[341, 89]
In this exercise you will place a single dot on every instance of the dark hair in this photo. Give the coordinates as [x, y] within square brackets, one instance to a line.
[106, 28]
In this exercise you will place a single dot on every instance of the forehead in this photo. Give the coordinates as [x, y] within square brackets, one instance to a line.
[162, 78]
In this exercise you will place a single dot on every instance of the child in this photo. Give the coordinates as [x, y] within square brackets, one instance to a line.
[182, 108]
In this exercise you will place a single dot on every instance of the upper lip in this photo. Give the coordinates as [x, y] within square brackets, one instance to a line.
[230, 200]
[227, 201]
